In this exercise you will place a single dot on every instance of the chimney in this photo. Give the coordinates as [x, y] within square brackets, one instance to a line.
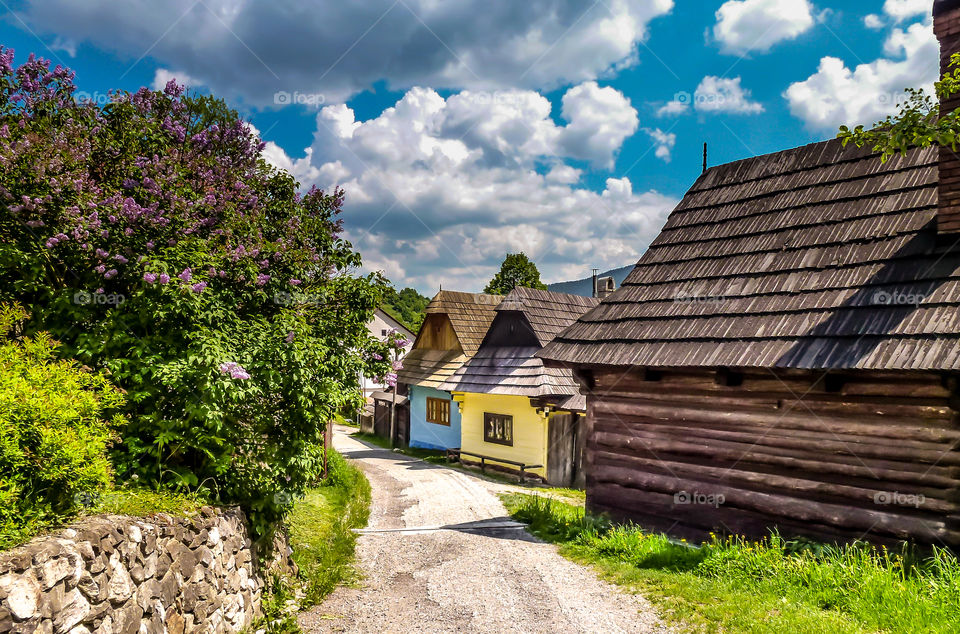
[604, 286]
[595, 282]
[946, 26]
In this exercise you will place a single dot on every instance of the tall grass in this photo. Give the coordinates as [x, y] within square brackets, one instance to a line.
[863, 587]
[321, 529]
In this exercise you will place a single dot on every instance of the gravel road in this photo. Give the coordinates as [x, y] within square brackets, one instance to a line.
[440, 554]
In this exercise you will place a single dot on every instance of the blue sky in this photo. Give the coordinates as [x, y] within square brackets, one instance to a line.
[462, 130]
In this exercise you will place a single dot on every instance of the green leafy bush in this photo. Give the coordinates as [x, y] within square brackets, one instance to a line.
[53, 435]
[153, 240]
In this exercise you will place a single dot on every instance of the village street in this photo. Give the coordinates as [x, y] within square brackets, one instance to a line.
[469, 568]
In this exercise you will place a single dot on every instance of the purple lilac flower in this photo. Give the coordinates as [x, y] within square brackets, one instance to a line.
[52, 242]
[186, 275]
[289, 337]
[33, 224]
[149, 278]
[397, 365]
[100, 269]
[234, 369]
[262, 279]
[128, 231]
[377, 356]
[295, 282]
[111, 273]
[101, 253]
[119, 258]
[198, 287]
[391, 379]
[150, 245]
[164, 278]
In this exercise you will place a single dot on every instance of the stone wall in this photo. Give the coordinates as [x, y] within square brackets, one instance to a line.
[117, 574]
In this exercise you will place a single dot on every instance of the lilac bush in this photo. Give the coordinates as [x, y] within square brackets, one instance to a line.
[241, 325]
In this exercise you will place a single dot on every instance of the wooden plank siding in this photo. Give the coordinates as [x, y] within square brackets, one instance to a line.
[859, 456]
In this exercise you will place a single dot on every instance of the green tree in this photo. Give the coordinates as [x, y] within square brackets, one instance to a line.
[154, 242]
[918, 123]
[407, 306]
[516, 270]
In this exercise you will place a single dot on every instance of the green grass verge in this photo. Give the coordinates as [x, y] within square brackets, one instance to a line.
[320, 528]
[141, 502]
[735, 585]
[124, 500]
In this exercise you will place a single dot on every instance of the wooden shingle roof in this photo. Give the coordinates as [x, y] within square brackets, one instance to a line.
[819, 257]
[515, 369]
[470, 316]
[547, 312]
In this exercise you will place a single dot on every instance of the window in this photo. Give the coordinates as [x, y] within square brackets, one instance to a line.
[498, 428]
[438, 411]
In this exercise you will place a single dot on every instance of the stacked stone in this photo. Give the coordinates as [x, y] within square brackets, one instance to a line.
[123, 575]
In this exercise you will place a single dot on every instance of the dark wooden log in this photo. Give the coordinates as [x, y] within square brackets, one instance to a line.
[625, 408]
[928, 453]
[800, 483]
[850, 517]
[894, 472]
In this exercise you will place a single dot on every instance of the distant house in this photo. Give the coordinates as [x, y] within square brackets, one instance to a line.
[451, 333]
[379, 327]
[511, 406]
[787, 352]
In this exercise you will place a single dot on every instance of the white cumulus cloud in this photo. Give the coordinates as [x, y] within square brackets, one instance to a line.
[163, 75]
[439, 189]
[253, 50]
[663, 142]
[837, 95]
[901, 10]
[756, 25]
[724, 95]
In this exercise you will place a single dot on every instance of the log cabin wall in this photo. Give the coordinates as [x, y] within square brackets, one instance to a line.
[869, 456]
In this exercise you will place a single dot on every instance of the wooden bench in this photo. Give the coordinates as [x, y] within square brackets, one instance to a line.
[455, 454]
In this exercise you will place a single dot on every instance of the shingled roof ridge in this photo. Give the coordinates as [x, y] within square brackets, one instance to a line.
[833, 243]
[856, 154]
[545, 295]
[800, 188]
[827, 201]
[780, 229]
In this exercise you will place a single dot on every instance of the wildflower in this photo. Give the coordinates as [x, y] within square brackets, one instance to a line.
[149, 278]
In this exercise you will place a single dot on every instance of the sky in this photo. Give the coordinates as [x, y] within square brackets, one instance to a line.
[464, 130]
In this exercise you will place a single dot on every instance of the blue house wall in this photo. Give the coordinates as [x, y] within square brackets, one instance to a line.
[430, 435]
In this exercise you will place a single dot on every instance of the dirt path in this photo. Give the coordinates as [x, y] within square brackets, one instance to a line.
[459, 563]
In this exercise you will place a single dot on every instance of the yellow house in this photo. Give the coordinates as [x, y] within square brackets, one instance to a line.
[515, 412]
